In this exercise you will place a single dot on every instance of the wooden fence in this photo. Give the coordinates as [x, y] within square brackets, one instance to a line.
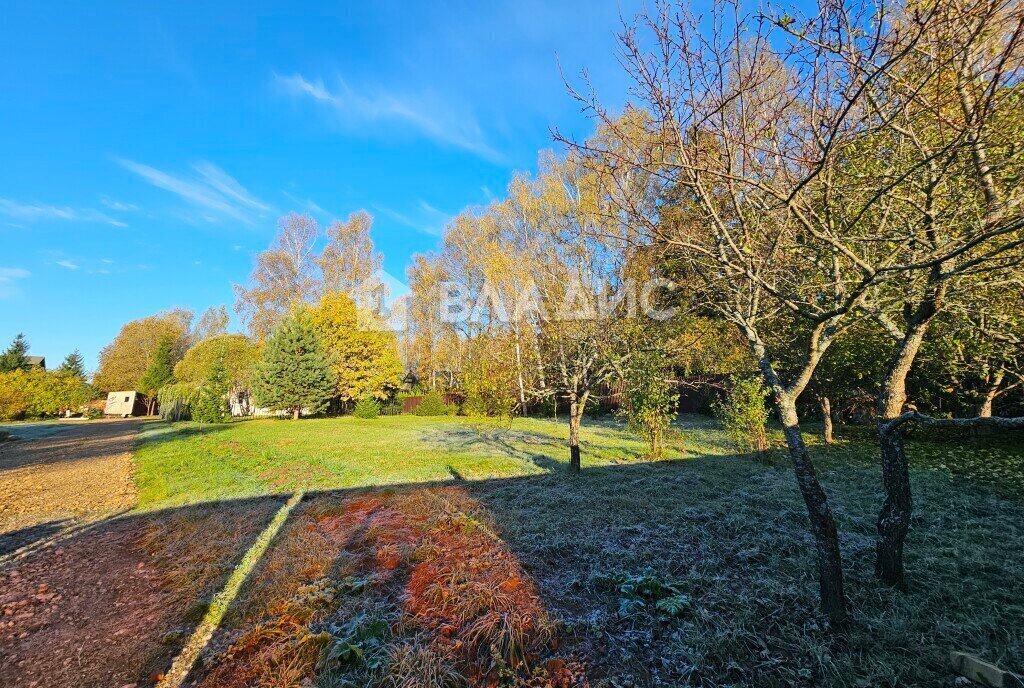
[410, 404]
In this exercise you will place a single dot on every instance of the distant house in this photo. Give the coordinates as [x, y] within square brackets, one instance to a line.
[125, 404]
[408, 382]
[243, 405]
[36, 362]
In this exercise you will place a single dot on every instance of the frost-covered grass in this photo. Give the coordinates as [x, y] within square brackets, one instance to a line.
[697, 570]
[724, 543]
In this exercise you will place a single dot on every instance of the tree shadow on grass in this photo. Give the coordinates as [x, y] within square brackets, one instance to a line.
[529, 447]
[724, 537]
[113, 604]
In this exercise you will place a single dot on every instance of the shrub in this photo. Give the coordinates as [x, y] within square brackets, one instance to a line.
[210, 406]
[14, 398]
[37, 393]
[745, 415]
[490, 405]
[433, 405]
[650, 403]
[366, 407]
[489, 408]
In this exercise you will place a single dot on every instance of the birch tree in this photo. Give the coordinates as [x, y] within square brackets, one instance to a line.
[285, 275]
[350, 262]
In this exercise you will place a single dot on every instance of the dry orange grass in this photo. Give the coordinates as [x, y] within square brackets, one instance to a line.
[459, 607]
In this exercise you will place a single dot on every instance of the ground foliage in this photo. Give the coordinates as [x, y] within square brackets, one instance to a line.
[692, 571]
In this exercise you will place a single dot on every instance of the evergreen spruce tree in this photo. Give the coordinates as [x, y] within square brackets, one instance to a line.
[73, 365]
[211, 403]
[16, 355]
[294, 372]
[161, 368]
[160, 372]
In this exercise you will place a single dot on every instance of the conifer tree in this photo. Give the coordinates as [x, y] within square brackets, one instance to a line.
[211, 404]
[73, 365]
[294, 372]
[161, 368]
[15, 357]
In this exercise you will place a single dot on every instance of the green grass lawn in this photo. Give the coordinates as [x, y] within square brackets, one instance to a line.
[720, 541]
[183, 463]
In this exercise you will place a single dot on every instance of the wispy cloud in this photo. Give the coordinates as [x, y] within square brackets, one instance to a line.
[67, 264]
[228, 185]
[428, 220]
[214, 190]
[30, 212]
[397, 217]
[431, 210]
[9, 278]
[437, 120]
[306, 203]
[439, 219]
[118, 205]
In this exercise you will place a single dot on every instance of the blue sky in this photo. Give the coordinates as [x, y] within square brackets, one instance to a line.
[147, 153]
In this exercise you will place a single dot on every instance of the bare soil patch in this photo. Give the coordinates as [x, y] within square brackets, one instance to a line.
[79, 471]
[112, 606]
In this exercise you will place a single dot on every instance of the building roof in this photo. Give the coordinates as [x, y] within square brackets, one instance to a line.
[39, 361]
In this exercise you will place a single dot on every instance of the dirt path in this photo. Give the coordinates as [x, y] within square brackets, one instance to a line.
[111, 606]
[65, 475]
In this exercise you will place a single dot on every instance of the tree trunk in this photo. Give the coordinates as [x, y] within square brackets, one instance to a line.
[575, 416]
[542, 381]
[894, 518]
[519, 374]
[826, 417]
[991, 392]
[823, 525]
[295, 413]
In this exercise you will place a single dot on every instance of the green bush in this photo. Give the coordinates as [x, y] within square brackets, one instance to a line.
[210, 406]
[366, 407]
[433, 405]
[650, 403]
[745, 415]
[37, 393]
